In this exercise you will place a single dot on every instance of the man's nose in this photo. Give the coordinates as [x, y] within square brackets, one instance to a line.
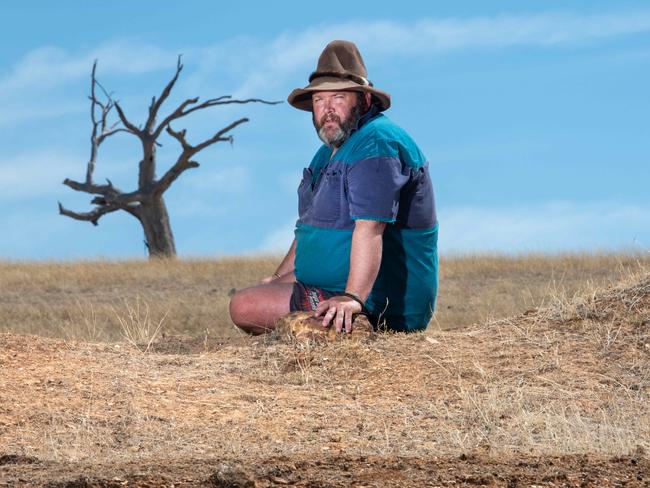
[328, 105]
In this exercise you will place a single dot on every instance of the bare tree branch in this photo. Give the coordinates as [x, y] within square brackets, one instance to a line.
[132, 128]
[223, 100]
[121, 199]
[174, 115]
[106, 190]
[218, 137]
[183, 162]
[93, 216]
[226, 100]
[156, 104]
[90, 168]
[99, 132]
[109, 133]
[107, 194]
[173, 173]
[180, 137]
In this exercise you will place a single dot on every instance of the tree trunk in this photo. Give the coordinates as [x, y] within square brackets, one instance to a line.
[157, 230]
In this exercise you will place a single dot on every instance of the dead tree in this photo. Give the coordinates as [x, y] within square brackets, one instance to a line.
[146, 203]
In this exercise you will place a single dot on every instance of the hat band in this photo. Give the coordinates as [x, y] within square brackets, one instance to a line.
[350, 76]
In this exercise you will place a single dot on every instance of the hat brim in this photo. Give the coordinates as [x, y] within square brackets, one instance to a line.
[301, 97]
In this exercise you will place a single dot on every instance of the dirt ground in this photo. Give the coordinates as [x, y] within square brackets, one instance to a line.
[554, 397]
[340, 470]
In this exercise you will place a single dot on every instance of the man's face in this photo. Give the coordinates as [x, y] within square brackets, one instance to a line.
[335, 114]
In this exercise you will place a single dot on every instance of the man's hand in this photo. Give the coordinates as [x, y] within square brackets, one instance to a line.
[284, 273]
[269, 279]
[339, 308]
[287, 277]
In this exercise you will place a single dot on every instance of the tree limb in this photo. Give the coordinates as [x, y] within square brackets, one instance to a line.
[182, 112]
[226, 100]
[99, 131]
[156, 104]
[183, 162]
[107, 194]
[180, 137]
[174, 115]
[109, 133]
[219, 135]
[132, 128]
[92, 188]
[93, 216]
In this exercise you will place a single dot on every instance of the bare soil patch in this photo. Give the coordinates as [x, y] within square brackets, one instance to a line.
[343, 470]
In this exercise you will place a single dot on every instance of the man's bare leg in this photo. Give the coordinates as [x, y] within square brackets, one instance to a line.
[256, 309]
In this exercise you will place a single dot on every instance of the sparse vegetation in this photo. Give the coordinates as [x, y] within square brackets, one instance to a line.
[548, 386]
[82, 300]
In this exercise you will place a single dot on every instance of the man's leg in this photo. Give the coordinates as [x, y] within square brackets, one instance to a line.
[256, 309]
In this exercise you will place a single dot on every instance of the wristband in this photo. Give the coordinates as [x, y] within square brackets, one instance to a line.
[277, 275]
[364, 310]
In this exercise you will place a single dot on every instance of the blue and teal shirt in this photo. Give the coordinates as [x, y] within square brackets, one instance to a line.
[379, 173]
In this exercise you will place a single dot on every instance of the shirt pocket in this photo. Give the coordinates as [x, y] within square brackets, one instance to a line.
[305, 193]
[327, 197]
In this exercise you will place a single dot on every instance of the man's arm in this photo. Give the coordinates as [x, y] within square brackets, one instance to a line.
[365, 259]
[284, 273]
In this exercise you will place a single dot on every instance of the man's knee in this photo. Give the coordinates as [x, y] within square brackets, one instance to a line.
[243, 312]
[239, 307]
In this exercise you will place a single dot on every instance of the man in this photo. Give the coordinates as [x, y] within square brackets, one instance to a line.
[366, 237]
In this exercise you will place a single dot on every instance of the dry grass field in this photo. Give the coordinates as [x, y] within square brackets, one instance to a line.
[534, 372]
[96, 301]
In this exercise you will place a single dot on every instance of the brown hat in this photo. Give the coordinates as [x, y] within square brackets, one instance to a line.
[340, 67]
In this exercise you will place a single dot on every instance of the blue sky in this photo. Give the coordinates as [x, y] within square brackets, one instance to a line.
[534, 117]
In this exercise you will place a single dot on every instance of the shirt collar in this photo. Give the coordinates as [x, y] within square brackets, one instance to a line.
[372, 111]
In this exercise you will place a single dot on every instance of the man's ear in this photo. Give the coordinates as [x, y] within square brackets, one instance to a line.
[367, 97]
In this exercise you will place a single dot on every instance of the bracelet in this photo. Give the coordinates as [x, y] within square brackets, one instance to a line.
[277, 275]
[364, 310]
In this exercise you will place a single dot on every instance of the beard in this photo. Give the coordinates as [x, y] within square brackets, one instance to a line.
[335, 137]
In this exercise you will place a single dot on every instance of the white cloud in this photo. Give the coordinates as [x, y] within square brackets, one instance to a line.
[40, 173]
[264, 60]
[47, 66]
[273, 61]
[549, 227]
[267, 64]
[15, 113]
[37, 174]
[232, 179]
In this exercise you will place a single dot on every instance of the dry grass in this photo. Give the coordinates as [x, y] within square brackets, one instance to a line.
[92, 301]
[572, 377]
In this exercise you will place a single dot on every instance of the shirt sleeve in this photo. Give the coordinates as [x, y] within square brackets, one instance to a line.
[374, 186]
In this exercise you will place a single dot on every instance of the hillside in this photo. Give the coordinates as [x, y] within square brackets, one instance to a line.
[557, 396]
